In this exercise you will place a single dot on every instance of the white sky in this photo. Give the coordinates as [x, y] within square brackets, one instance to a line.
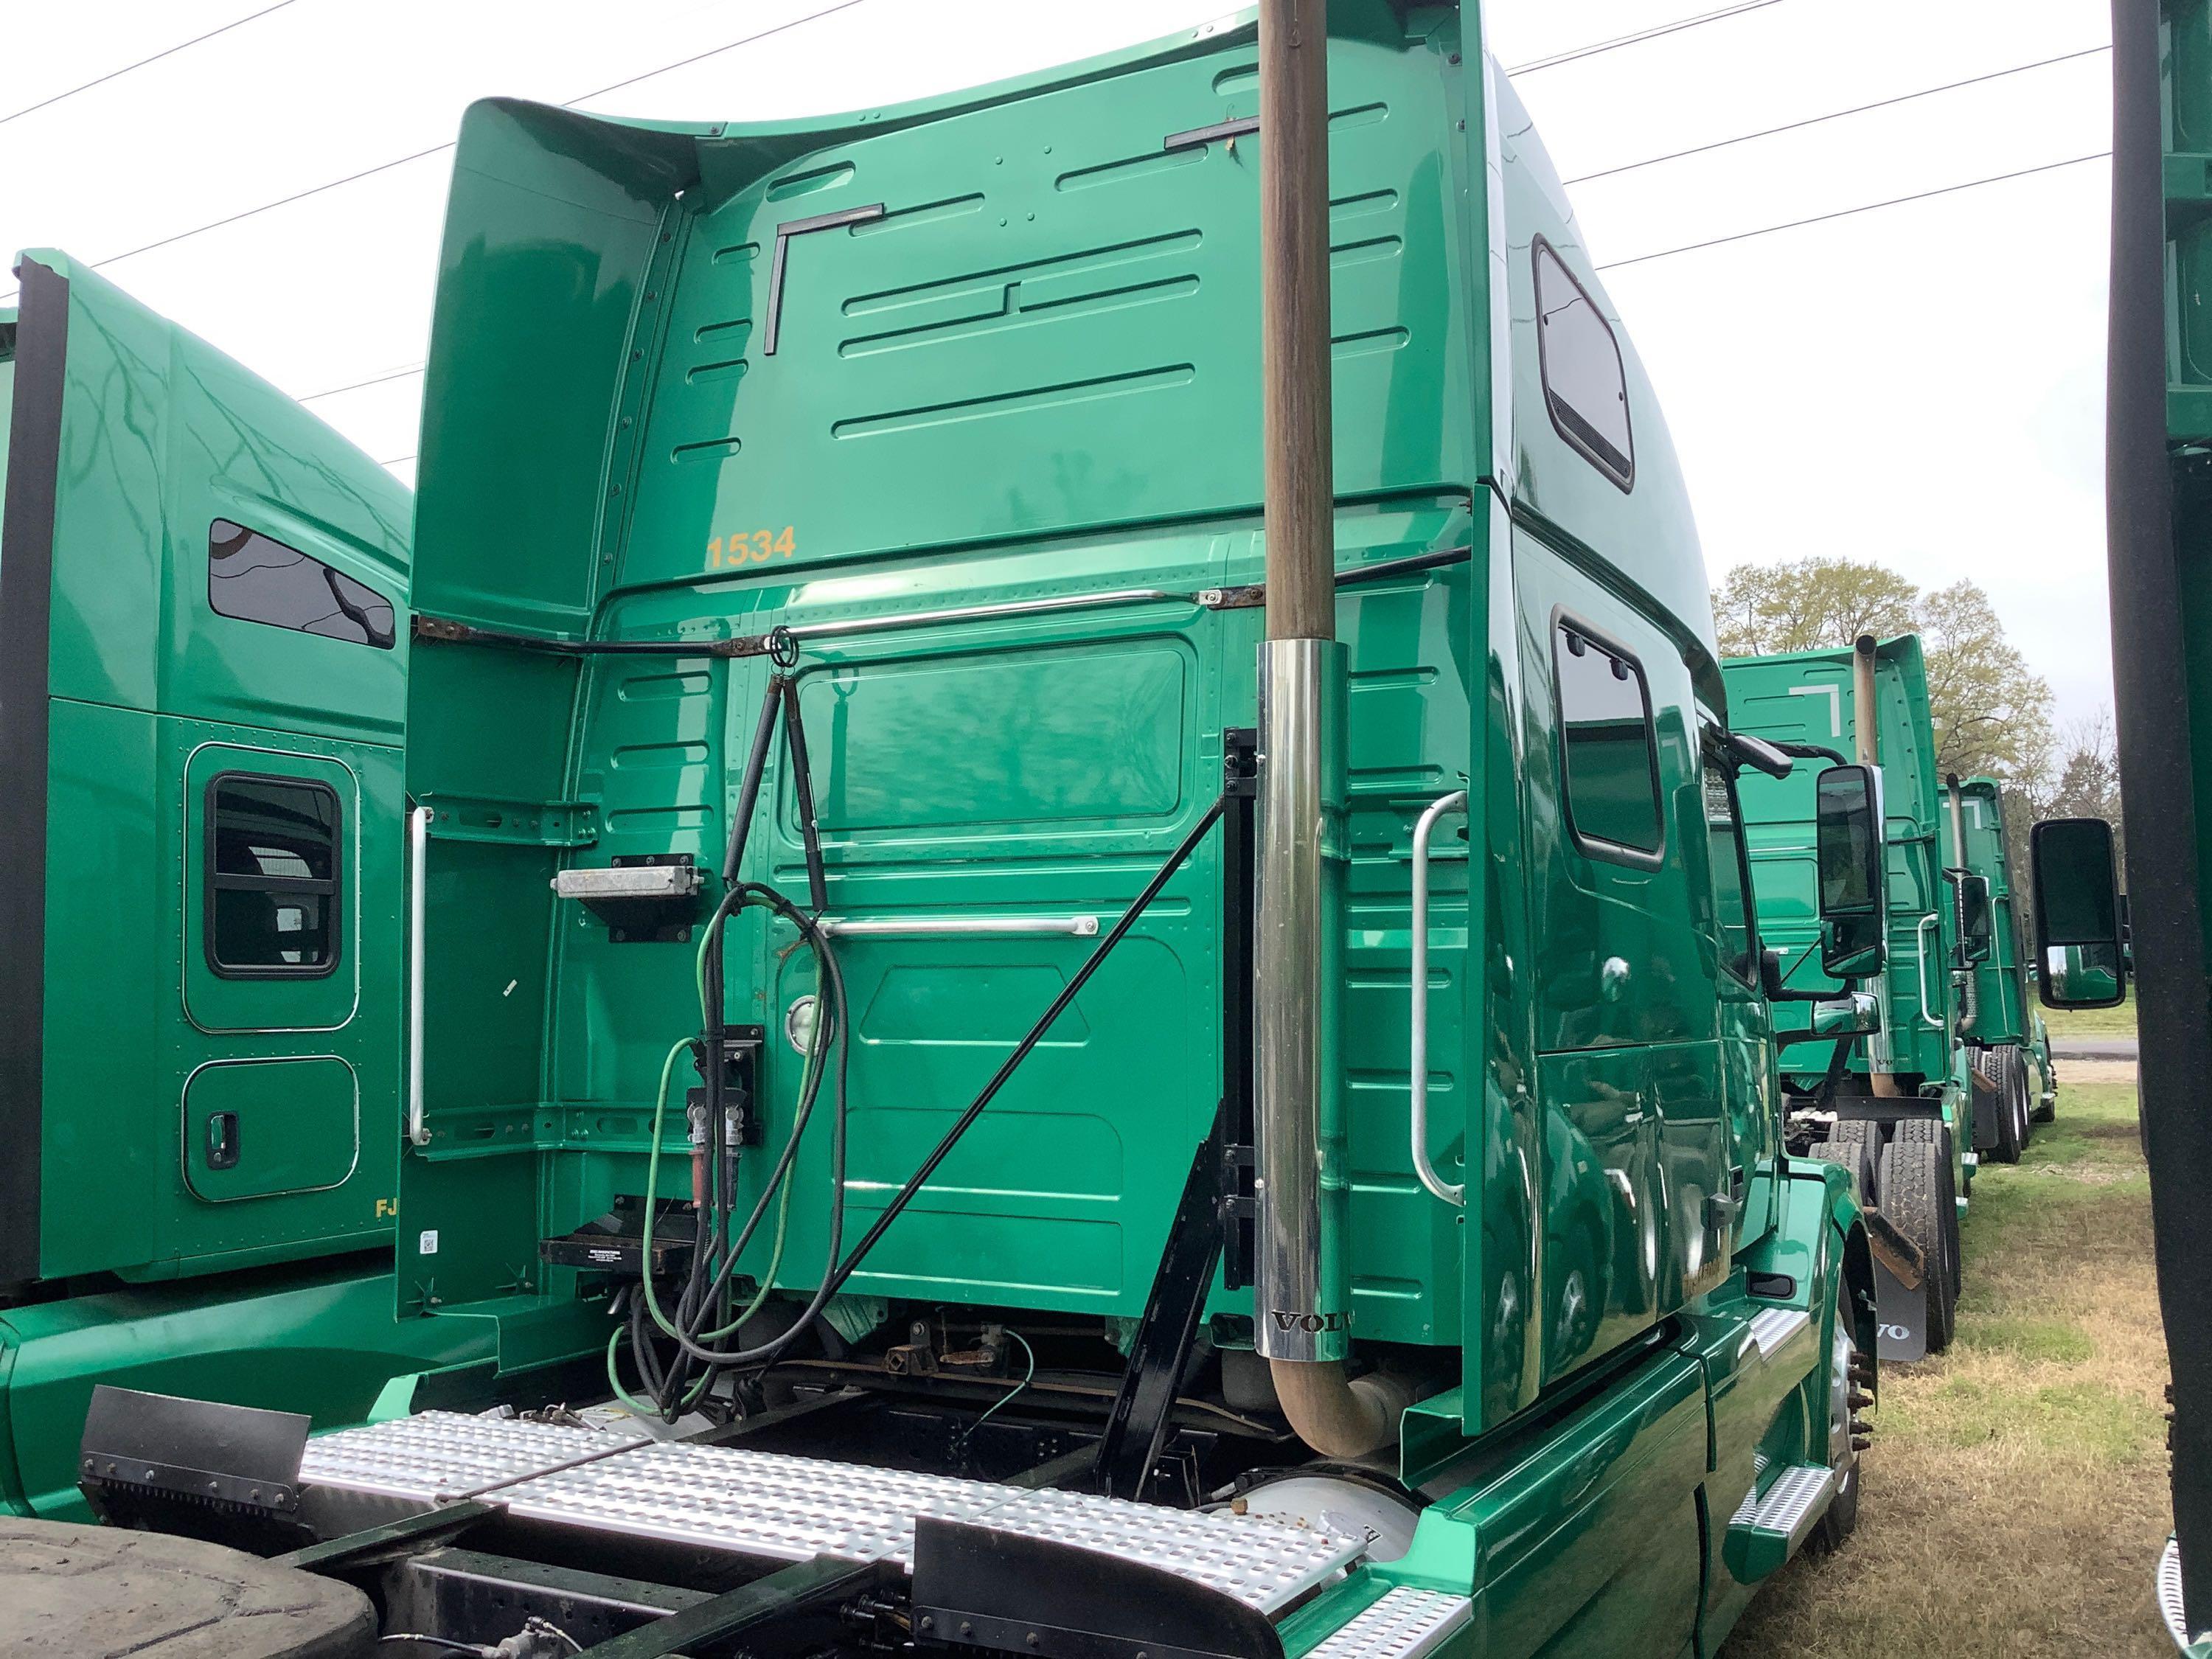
[1921, 386]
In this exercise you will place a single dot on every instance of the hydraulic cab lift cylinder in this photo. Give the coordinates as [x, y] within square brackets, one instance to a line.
[1301, 1292]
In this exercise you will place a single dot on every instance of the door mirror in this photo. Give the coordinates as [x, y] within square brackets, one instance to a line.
[1971, 895]
[2080, 945]
[1854, 888]
[1856, 1013]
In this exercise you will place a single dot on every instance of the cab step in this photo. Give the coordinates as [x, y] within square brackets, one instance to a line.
[1766, 1530]
[1407, 1623]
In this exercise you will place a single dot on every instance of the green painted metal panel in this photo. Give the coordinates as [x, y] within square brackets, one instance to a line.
[259, 1128]
[319, 1340]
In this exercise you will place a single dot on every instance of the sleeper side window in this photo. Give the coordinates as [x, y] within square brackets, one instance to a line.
[1609, 749]
[257, 577]
[1585, 385]
[1732, 892]
[272, 878]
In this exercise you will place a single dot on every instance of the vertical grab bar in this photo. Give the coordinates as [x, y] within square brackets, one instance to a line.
[418, 847]
[1417, 1082]
[1933, 919]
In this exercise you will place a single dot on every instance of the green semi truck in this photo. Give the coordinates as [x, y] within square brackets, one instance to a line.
[1999, 1012]
[203, 671]
[1078, 889]
[1917, 1077]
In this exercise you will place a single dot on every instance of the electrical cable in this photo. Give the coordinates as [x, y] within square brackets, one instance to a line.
[1817, 120]
[960, 1445]
[1577, 53]
[439, 149]
[1847, 212]
[167, 51]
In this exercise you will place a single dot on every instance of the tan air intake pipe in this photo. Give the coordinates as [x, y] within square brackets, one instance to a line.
[1866, 748]
[1301, 1293]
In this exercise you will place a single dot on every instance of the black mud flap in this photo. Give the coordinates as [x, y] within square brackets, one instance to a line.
[1900, 1283]
[227, 1474]
[977, 1588]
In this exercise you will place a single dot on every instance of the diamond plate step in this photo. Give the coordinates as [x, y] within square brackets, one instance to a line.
[793, 1508]
[1406, 1624]
[1766, 1530]
[2169, 1595]
[444, 1453]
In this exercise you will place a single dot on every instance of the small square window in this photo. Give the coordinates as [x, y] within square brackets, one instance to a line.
[272, 863]
[1610, 752]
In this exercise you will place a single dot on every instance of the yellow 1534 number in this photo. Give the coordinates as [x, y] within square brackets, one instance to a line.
[750, 547]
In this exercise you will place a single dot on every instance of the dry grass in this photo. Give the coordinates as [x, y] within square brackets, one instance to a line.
[2015, 1495]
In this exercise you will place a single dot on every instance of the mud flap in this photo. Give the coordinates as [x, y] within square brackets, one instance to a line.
[1900, 1290]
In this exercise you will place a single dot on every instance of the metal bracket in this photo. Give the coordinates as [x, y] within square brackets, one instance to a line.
[784, 233]
[644, 898]
[511, 823]
[1239, 1194]
[741, 1050]
[1138, 1425]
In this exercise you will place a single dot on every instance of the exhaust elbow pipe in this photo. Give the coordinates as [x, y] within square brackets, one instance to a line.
[1336, 1415]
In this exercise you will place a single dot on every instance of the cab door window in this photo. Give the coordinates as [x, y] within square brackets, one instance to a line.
[272, 892]
[1610, 749]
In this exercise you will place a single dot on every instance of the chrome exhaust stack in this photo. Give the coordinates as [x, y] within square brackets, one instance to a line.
[1302, 1300]
[1866, 750]
[1301, 1289]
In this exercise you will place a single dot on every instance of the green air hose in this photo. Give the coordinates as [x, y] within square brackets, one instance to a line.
[653, 1167]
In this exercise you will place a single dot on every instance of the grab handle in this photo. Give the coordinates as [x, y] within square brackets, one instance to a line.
[1417, 1082]
[418, 848]
[1920, 950]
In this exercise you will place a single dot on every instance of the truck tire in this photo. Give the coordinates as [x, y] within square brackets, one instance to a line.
[1935, 1133]
[2044, 1109]
[1855, 1158]
[1916, 1197]
[1867, 1133]
[68, 1589]
[2002, 1068]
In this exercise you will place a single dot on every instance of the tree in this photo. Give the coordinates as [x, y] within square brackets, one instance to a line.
[2083, 779]
[1811, 605]
[1992, 714]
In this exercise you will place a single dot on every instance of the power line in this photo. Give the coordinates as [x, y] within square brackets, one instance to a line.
[1861, 109]
[169, 51]
[1639, 38]
[1847, 212]
[396, 459]
[374, 380]
[439, 149]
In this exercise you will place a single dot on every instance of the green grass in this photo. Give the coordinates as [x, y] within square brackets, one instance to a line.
[2092, 1022]
[2085, 1421]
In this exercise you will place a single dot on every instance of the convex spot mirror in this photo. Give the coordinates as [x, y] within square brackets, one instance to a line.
[2080, 939]
[1853, 869]
[1975, 934]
